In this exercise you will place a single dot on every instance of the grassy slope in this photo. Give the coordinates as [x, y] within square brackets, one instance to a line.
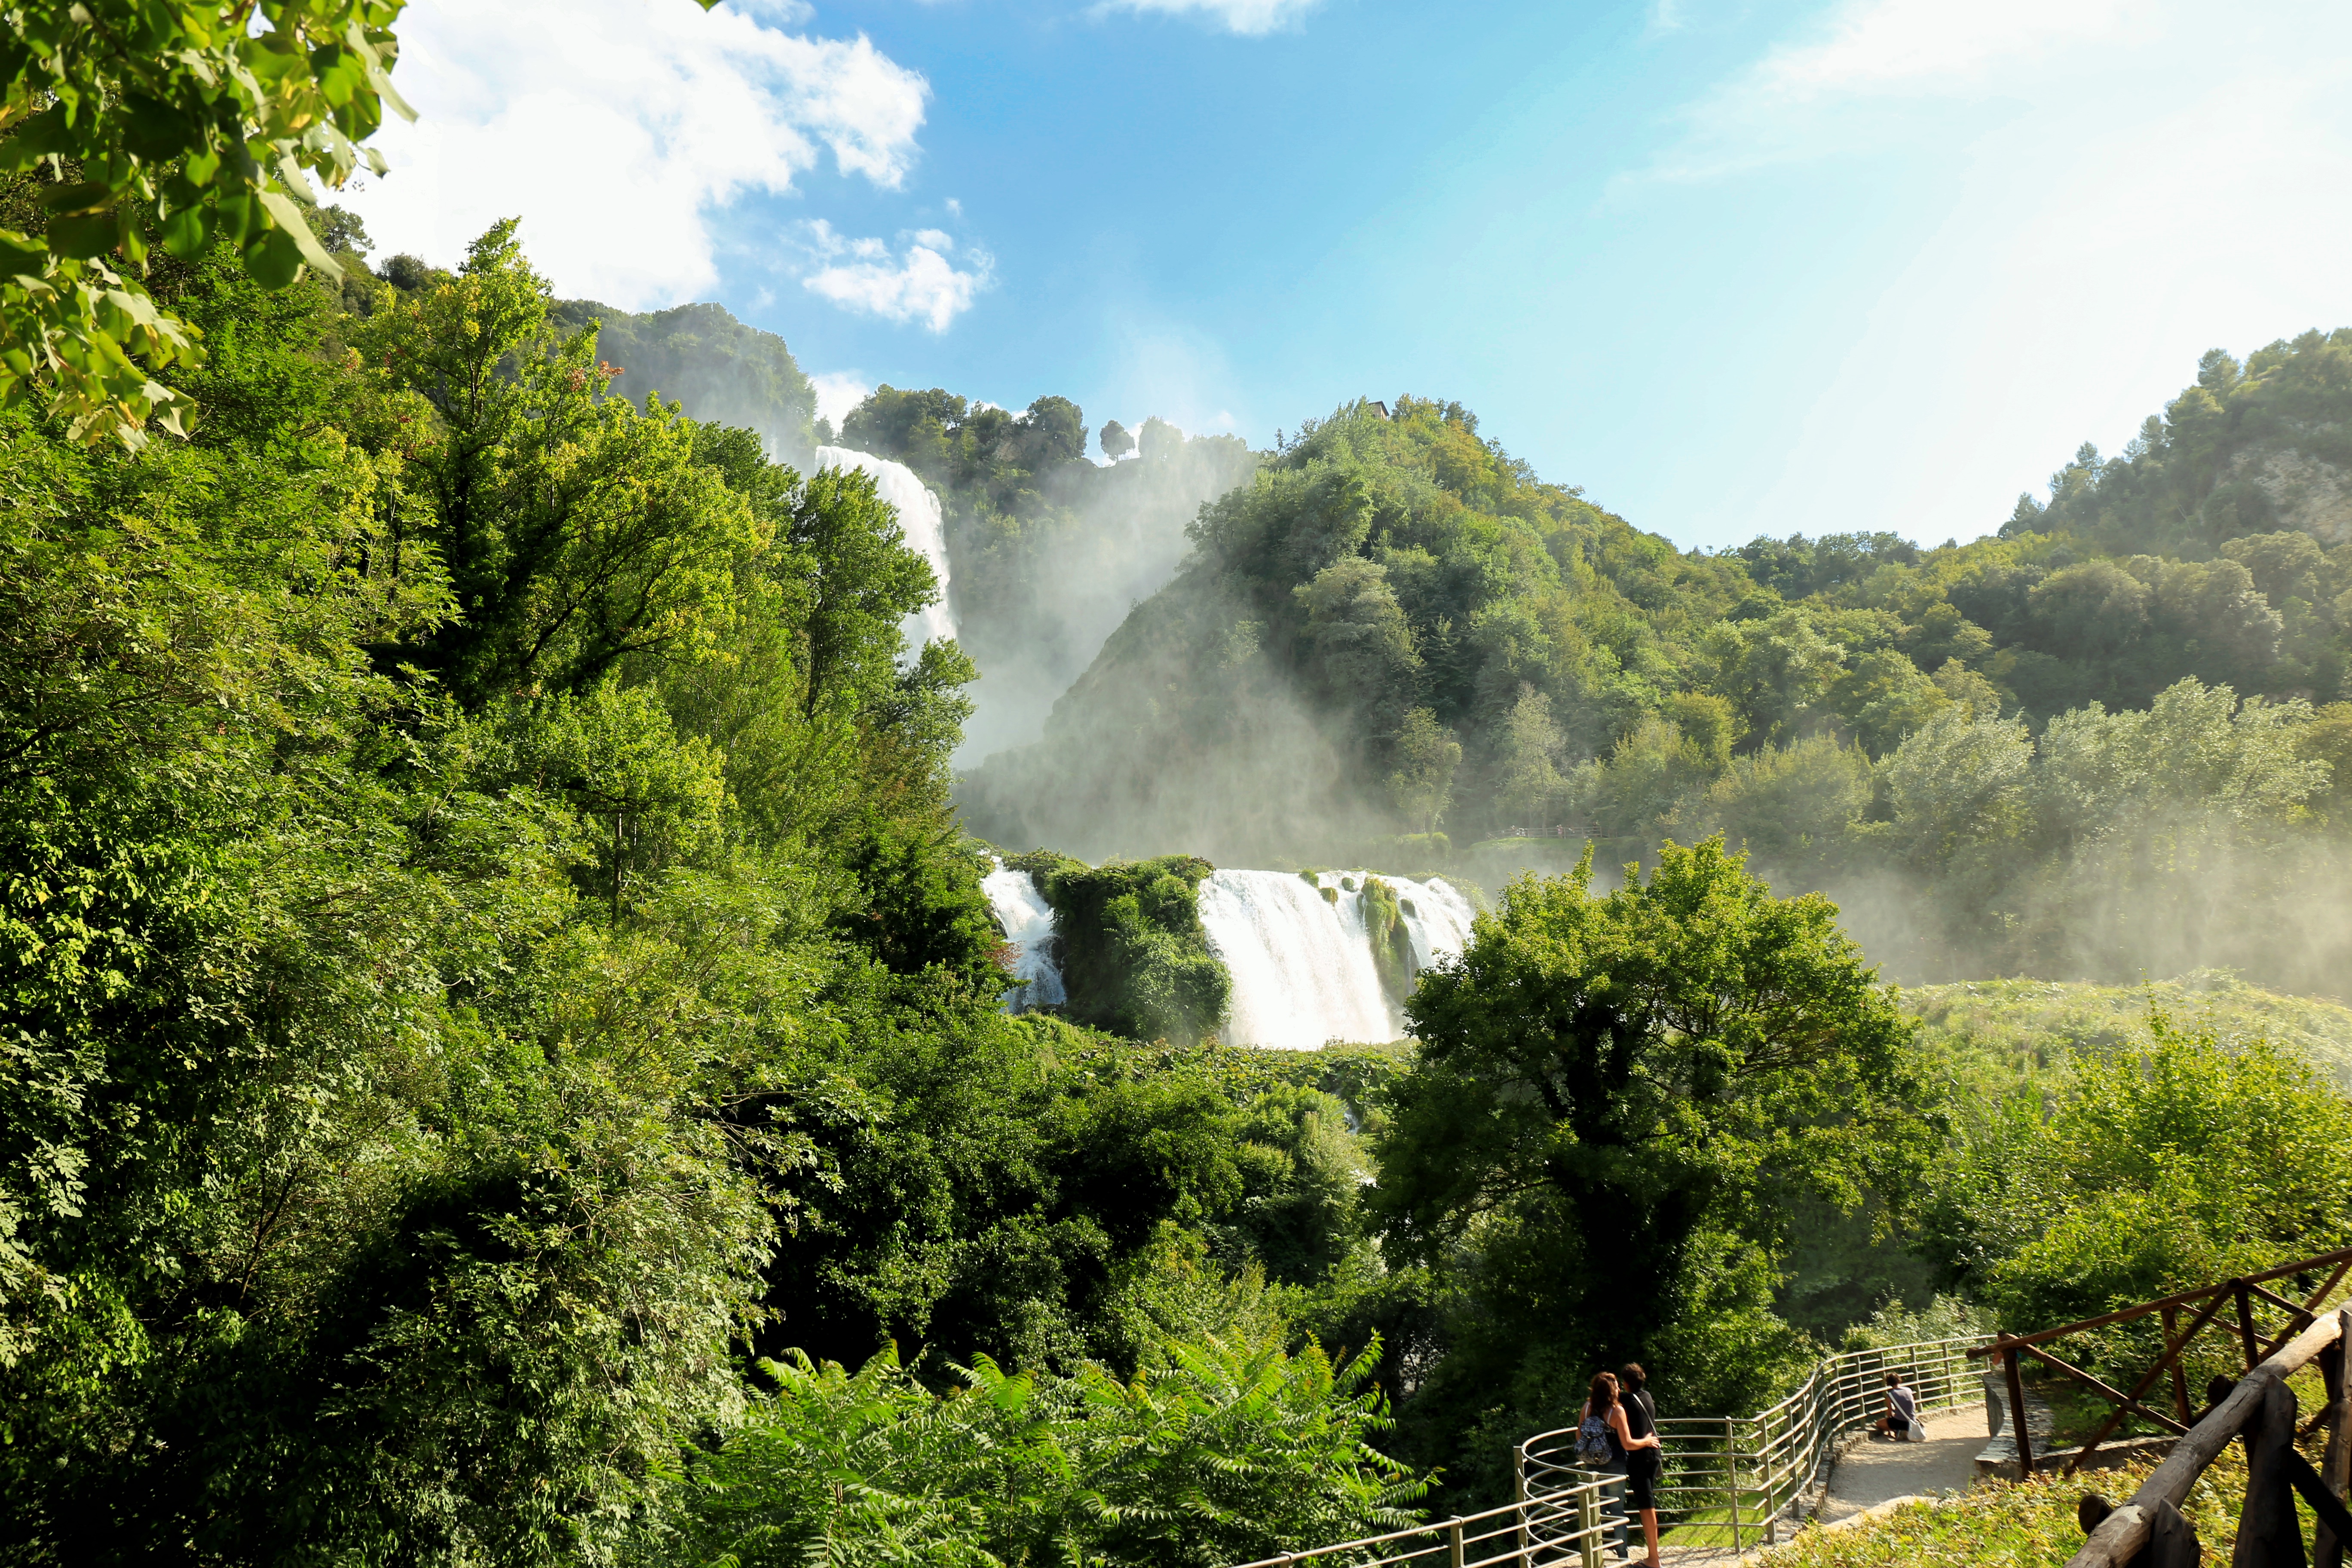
[2037, 1020]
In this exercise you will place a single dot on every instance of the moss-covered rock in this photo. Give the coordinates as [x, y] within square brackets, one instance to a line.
[1134, 959]
[1392, 941]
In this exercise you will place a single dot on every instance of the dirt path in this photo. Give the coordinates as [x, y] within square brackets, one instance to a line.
[1872, 1472]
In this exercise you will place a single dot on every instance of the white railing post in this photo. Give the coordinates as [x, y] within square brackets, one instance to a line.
[1520, 1495]
[1731, 1480]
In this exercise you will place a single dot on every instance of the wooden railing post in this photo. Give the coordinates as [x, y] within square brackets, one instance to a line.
[2018, 1425]
[2268, 1531]
[2335, 1468]
[2180, 1378]
[2246, 1323]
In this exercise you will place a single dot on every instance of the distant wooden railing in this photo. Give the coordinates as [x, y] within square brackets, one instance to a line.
[1732, 1477]
[2207, 1300]
[1567, 1528]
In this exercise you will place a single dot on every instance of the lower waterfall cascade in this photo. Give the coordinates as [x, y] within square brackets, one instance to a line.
[1028, 922]
[1299, 953]
[919, 520]
[1302, 966]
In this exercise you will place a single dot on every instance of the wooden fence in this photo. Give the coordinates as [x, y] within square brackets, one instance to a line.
[2260, 1408]
[2202, 1308]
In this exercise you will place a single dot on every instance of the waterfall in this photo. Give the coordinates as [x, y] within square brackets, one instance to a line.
[919, 520]
[1302, 967]
[1436, 918]
[1301, 962]
[1028, 922]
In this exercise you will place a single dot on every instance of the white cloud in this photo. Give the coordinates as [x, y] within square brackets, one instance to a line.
[920, 283]
[838, 391]
[2136, 202]
[1875, 46]
[1834, 89]
[615, 126]
[1251, 18]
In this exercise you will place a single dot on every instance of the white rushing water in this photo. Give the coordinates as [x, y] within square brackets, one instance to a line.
[1436, 916]
[1301, 963]
[1302, 967]
[918, 518]
[1028, 922]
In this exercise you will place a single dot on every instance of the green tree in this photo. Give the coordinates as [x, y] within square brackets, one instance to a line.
[577, 530]
[1422, 786]
[1616, 1100]
[2174, 1160]
[1528, 786]
[1364, 653]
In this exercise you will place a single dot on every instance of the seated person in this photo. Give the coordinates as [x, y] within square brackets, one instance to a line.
[1902, 1408]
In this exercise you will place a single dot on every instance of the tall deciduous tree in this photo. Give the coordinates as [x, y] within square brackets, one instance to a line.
[1615, 1097]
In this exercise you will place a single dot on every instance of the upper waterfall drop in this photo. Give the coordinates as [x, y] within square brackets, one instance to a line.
[1028, 922]
[1301, 966]
[919, 519]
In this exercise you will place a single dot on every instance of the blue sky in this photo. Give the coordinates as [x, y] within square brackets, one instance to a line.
[1733, 269]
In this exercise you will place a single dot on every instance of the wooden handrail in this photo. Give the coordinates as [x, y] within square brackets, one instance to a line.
[2301, 1265]
[2122, 1533]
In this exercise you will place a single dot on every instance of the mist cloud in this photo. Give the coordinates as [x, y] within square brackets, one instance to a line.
[838, 391]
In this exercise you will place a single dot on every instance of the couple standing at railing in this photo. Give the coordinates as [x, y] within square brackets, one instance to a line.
[1617, 1435]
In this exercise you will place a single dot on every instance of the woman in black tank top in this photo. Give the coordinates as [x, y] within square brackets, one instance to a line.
[1644, 1458]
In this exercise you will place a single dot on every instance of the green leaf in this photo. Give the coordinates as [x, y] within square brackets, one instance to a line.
[188, 233]
[155, 130]
[21, 257]
[291, 223]
[84, 197]
[274, 258]
[82, 234]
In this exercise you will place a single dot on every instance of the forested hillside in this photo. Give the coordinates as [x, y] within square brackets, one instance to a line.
[504, 1046]
[2047, 752]
[488, 955]
[718, 369]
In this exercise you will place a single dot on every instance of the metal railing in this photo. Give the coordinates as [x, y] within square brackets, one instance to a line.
[1570, 1523]
[1728, 1479]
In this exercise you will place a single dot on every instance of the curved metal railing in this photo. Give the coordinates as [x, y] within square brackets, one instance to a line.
[1729, 1479]
[1568, 1524]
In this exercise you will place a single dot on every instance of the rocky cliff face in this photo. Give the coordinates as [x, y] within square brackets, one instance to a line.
[2307, 494]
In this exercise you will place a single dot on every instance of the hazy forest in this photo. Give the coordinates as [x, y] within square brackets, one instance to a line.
[505, 1058]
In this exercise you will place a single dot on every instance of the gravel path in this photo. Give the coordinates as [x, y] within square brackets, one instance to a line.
[1874, 1470]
